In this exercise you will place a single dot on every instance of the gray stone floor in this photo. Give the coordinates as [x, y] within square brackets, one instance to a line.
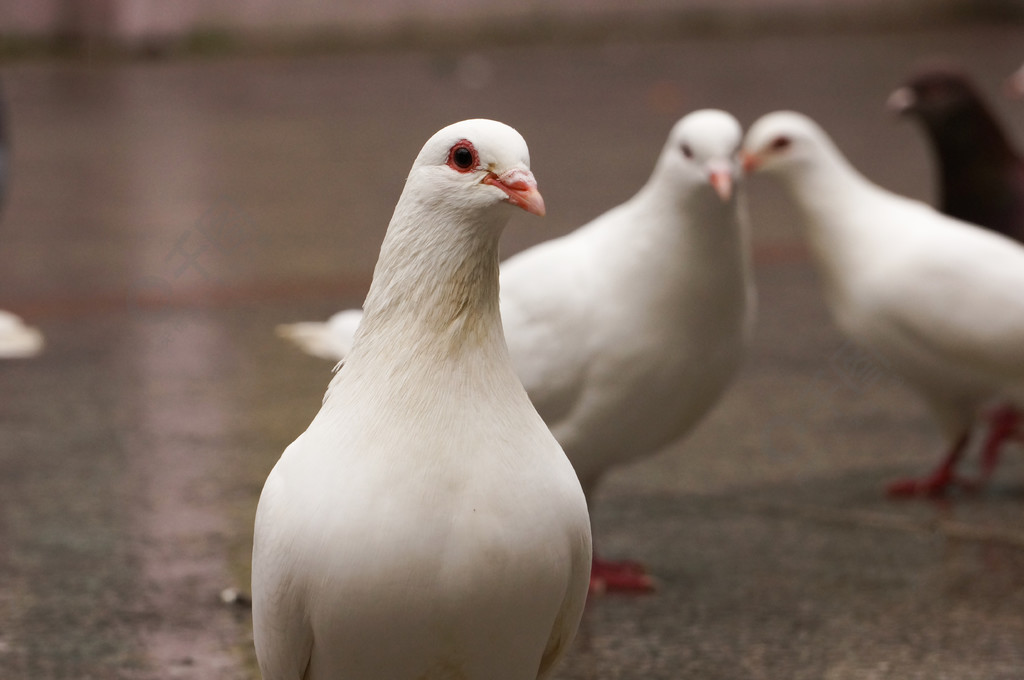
[165, 216]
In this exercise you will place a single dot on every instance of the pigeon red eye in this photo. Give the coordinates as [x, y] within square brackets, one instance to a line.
[462, 156]
[780, 143]
[687, 151]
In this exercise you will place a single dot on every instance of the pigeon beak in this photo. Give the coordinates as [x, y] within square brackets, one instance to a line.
[751, 161]
[520, 187]
[901, 100]
[1015, 85]
[720, 177]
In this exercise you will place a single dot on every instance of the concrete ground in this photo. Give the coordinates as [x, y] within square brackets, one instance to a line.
[165, 216]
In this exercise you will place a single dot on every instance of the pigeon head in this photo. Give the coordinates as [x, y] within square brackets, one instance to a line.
[938, 96]
[783, 141]
[477, 164]
[702, 149]
[967, 138]
[439, 258]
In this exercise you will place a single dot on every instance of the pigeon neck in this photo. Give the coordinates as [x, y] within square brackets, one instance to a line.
[693, 226]
[436, 282]
[829, 193]
[687, 213]
[978, 169]
[968, 137]
[826, 183]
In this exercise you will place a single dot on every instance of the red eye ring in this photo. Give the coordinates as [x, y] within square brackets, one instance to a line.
[462, 157]
[780, 143]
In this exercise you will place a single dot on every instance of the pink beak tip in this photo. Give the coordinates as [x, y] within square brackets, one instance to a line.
[722, 184]
[750, 162]
[520, 188]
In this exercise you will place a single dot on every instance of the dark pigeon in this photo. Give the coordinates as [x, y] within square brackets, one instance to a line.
[981, 175]
[5, 151]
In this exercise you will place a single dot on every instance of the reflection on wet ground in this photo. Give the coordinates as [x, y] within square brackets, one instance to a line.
[165, 216]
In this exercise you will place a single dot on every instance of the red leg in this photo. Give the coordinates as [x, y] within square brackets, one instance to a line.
[1004, 424]
[615, 577]
[619, 577]
[936, 483]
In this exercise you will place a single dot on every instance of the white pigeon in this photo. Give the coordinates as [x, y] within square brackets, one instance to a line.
[427, 524]
[627, 331]
[935, 299]
[18, 340]
[330, 340]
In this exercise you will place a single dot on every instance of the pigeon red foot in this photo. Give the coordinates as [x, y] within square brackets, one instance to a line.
[1005, 423]
[607, 576]
[939, 481]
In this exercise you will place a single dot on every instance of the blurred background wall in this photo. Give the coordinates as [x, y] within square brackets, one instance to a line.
[165, 24]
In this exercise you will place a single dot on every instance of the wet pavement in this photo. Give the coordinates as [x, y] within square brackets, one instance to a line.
[165, 216]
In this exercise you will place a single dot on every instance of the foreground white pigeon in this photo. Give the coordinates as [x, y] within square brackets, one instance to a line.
[627, 331]
[937, 300]
[427, 524]
[17, 340]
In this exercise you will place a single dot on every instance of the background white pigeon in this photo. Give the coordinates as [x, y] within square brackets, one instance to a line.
[937, 300]
[980, 176]
[17, 340]
[627, 331]
[427, 524]
[330, 340]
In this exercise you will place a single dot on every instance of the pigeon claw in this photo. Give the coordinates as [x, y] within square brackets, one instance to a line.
[619, 577]
[1005, 424]
[938, 482]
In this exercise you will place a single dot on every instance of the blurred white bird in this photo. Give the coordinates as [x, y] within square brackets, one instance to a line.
[627, 331]
[18, 340]
[427, 524]
[937, 300]
[330, 340]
